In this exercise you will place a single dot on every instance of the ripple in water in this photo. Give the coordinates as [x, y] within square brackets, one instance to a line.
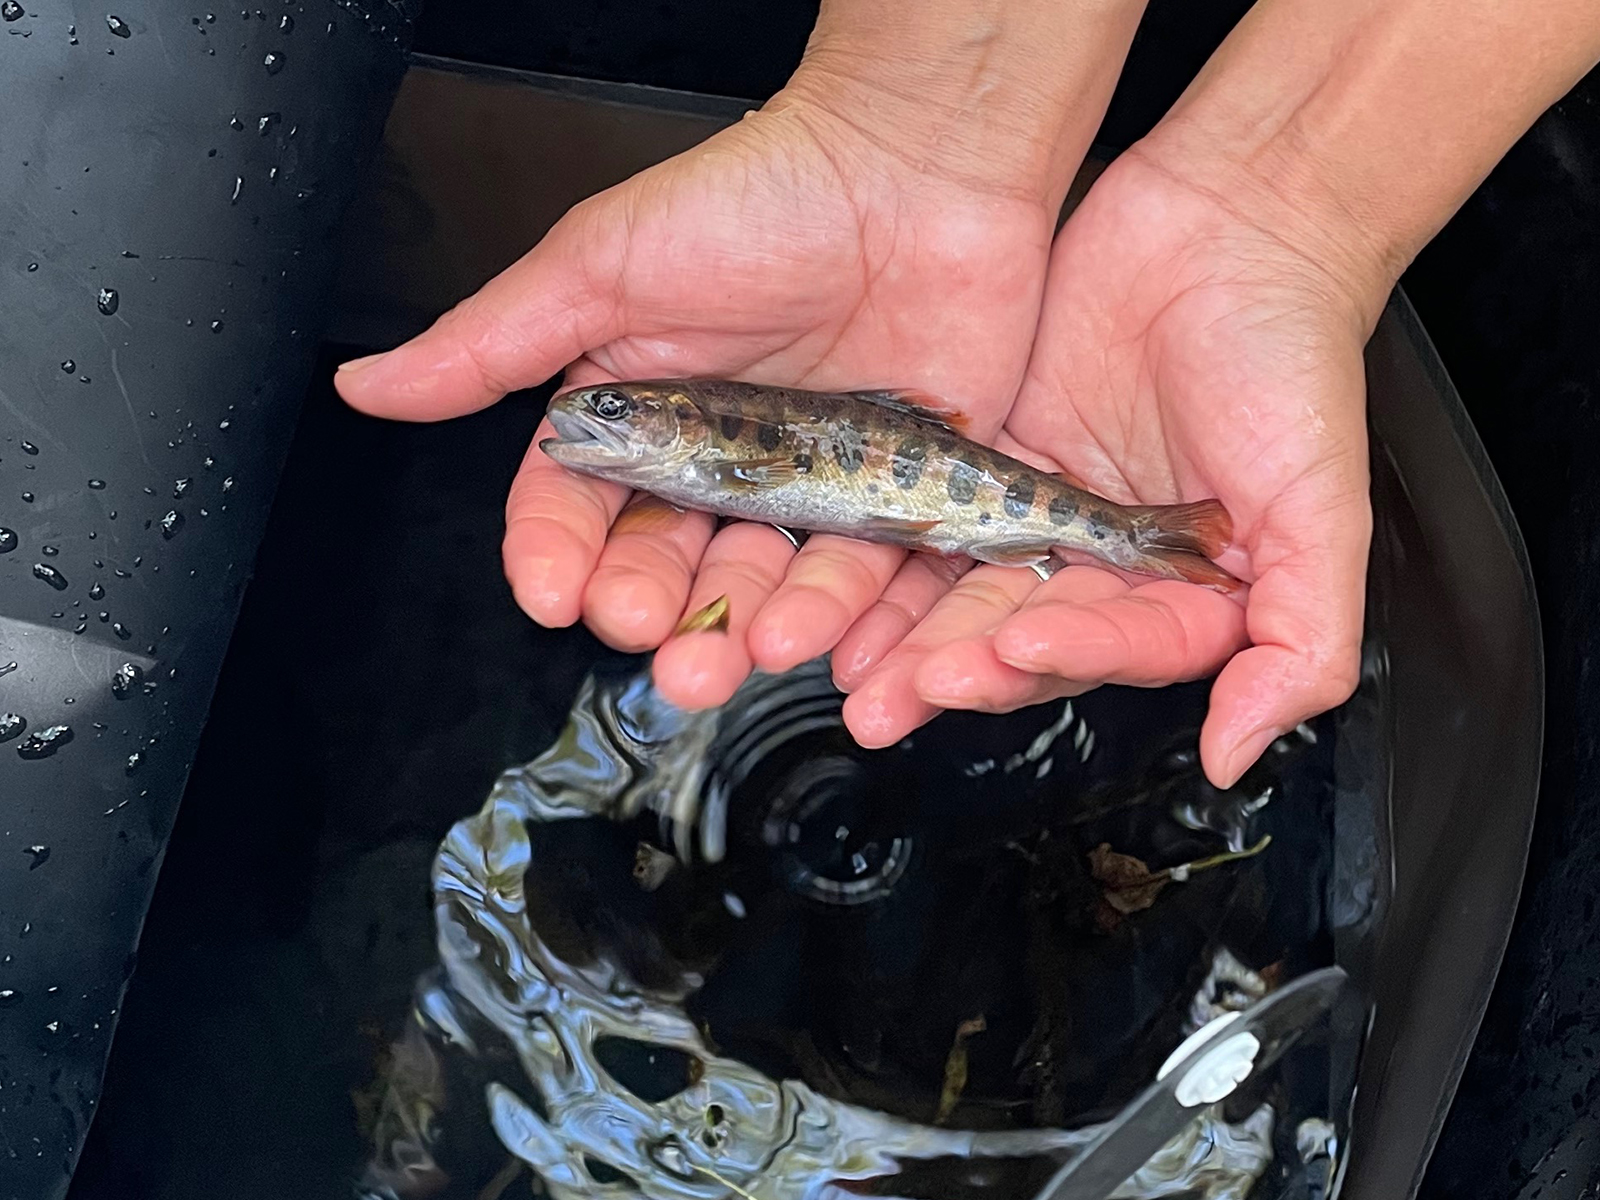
[773, 1007]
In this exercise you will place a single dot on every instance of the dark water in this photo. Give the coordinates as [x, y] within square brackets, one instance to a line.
[834, 920]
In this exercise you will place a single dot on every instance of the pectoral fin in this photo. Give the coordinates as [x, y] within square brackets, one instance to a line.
[1014, 555]
[891, 530]
[922, 405]
[754, 473]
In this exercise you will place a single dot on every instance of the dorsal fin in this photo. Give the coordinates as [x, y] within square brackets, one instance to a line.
[924, 406]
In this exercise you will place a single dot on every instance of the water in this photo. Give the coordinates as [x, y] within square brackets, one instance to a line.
[8, 540]
[11, 725]
[11, 11]
[118, 26]
[68, 365]
[125, 680]
[171, 523]
[107, 300]
[97, 485]
[45, 743]
[274, 61]
[50, 576]
[29, 448]
[703, 954]
[97, 592]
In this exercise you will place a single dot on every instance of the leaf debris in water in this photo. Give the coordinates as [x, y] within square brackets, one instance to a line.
[712, 618]
[955, 1068]
[1127, 885]
[652, 866]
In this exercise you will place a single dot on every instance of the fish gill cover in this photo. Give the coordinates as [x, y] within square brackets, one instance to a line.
[691, 956]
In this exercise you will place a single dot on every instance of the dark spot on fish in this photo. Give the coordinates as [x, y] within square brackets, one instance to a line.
[1019, 498]
[984, 518]
[769, 436]
[963, 482]
[1098, 533]
[802, 463]
[1062, 510]
[850, 454]
[872, 489]
[944, 443]
[732, 424]
[907, 462]
[686, 412]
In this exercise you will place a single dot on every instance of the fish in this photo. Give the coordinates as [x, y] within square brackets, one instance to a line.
[884, 466]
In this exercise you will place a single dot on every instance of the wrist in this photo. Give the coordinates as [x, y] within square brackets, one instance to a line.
[1000, 97]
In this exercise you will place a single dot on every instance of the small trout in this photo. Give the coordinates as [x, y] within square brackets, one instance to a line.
[880, 466]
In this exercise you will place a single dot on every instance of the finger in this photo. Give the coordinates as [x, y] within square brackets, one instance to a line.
[556, 525]
[830, 583]
[744, 562]
[914, 590]
[554, 304]
[641, 582]
[966, 674]
[1089, 625]
[1304, 617]
[886, 707]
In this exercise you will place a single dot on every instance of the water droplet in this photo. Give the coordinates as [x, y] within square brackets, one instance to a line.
[97, 485]
[238, 186]
[171, 523]
[266, 120]
[97, 592]
[44, 743]
[211, 18]
[68, 365]
[126, 677]
[135, 761]
[8, 540]
[107, 300]
[332, 28]
[51, 576]
[223, 424]
[234, 122]
[54, 1026]
[29, 448]
[11, 724]
[287, 24]
[10, 997]
[121, 630]
[27, 497]
[41, 855]
[49, 551]
[118, 26]
[179, 487]
[7, 668]
[216, 327]
[273, 62]
[227, 484]
[272, 176]
[208, 462]
[32, 267]
[11, 11]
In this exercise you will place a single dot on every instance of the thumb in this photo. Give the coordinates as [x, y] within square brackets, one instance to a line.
[556, 303]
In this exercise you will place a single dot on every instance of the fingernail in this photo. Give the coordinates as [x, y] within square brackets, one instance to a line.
[1252, 748]
[357, 364]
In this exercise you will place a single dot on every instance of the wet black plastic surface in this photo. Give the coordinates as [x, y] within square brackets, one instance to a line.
[169, 183]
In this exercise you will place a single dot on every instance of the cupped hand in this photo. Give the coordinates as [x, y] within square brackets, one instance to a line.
[1188, 348]
[794, 248]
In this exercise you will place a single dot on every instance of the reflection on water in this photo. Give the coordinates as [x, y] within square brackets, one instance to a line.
[694, 956]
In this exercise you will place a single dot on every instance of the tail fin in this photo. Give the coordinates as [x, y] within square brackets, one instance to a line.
[1182, 564]
[1202, 528]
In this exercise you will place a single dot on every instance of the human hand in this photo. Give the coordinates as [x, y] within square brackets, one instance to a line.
[866, 228]
[1189, 347]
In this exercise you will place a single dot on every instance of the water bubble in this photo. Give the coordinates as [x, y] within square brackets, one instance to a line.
[11, 11]
[51, 576]
[135, 761]
[41, 855]
[171, 523]
[118, 26]
[27, 497]
[127, 677]
[227, 484]
[68, 365]
[216, 327]
[97, 485]
[49, 551]
[121, 630]
[10, 997]
[273, 62]
[29, 448]
[11, 724]
[104, 616]
[179, 487]
[223, 424]
[234, 122]
[208, 462]
[287, 24]
[53, 1026]
[7, 668]
[8, 540]
[97, 592]
[266, 120]
[106, 300]
[44, 743]
[238, 186]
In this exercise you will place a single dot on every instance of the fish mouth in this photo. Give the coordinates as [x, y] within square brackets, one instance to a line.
[582, 437]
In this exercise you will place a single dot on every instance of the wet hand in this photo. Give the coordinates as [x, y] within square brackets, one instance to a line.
[1187, 349]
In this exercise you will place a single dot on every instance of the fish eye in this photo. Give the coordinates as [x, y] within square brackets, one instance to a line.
[610, 405]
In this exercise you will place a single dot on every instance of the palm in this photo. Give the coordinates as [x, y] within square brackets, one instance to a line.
[1181, 354]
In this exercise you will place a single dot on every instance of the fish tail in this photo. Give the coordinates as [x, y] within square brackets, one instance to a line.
[1202, 528]
[1184, 565]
